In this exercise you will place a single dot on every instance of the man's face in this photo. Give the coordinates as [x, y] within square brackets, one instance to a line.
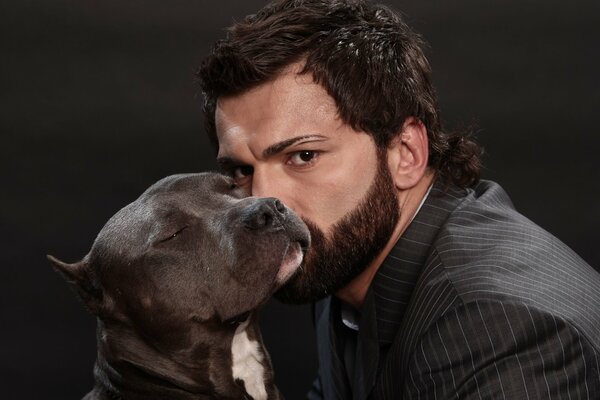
[285, 139]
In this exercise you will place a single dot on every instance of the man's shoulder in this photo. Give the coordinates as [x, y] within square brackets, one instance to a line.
[486, 250]
[486, 226]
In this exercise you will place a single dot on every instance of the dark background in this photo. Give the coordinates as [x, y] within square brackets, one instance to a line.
[97, 102]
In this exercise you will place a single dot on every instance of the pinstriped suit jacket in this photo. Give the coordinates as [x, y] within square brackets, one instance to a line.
[498, 309]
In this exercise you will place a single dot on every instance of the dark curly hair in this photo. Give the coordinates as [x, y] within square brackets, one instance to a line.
[366, 57]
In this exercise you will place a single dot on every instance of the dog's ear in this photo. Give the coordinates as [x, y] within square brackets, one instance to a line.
[78, 274]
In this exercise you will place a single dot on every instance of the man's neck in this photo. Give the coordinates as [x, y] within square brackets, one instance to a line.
[409, 202]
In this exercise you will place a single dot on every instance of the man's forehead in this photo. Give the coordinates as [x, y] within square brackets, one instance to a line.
[287, 107]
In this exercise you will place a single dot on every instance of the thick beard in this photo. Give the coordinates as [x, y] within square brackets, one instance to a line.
[355, 240]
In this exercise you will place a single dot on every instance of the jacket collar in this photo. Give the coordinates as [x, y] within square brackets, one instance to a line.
[386, 300]
[397, 276]
[392, 286]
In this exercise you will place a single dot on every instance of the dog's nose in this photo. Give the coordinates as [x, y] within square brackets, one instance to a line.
[264, 213]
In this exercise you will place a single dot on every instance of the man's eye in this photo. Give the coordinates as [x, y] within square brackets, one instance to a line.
[303, 158]
[242, 172]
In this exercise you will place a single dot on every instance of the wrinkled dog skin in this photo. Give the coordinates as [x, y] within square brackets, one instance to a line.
[174, 279]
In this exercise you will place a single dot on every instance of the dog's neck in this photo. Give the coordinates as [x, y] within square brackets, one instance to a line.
[211, 366]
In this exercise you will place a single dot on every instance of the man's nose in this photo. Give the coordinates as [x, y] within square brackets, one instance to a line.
[265, 184]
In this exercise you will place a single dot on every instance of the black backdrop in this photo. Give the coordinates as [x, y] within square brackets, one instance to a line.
[97, 102]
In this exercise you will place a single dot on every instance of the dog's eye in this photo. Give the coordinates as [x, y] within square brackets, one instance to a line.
[174, 235]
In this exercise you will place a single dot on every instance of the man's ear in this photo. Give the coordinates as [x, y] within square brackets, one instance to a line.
[78, 274]
[408, 154]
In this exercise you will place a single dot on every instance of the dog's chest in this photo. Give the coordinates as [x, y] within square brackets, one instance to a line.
[248, 363]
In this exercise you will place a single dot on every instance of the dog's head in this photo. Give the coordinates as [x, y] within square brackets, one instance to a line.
[191, 248]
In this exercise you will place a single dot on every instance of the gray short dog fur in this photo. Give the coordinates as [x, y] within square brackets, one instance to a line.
[175, 278]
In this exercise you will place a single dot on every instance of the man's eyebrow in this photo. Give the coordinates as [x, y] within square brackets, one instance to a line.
[226, 161]
[281, 146]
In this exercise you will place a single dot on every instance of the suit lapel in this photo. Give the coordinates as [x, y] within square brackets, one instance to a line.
[395, 280]
[406, 260]
[406, 263]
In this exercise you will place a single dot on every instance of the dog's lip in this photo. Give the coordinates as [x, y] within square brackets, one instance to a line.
[292, 260]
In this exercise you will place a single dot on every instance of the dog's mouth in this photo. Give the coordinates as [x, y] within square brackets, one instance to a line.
[294, 255]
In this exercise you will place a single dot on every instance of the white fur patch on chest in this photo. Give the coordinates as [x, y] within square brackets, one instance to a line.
[247, 363]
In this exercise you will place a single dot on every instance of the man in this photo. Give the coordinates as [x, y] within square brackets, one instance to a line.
[427, 282]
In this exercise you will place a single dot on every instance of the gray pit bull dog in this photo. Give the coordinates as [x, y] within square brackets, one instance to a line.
[175, 278]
